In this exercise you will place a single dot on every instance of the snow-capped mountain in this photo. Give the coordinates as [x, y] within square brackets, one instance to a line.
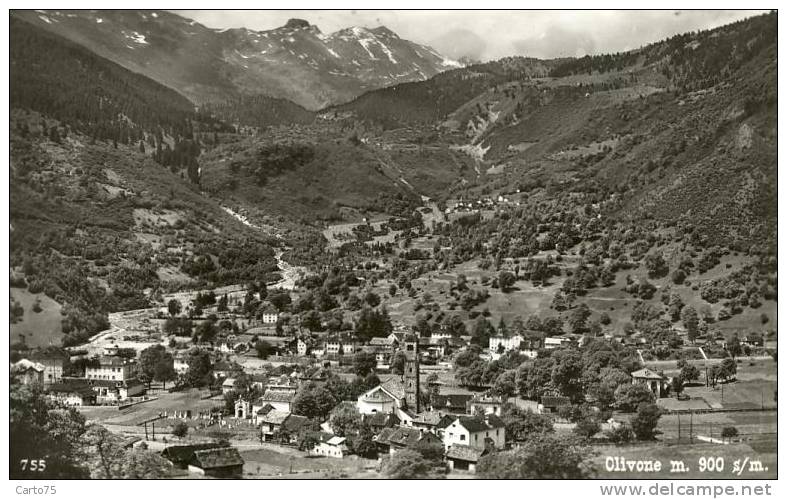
[296, 61]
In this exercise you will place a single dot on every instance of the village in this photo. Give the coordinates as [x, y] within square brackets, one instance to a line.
[333, 374]
[266, 396]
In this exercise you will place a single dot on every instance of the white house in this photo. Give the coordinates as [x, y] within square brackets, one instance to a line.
[498, 343]
[476, 432]
[332, 447]
[270, 316]
[302, 347]
[112, 369]
[228, 385]
[555, 342]
[180, 365]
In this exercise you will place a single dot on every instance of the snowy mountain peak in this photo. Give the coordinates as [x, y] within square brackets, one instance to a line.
[294, 61]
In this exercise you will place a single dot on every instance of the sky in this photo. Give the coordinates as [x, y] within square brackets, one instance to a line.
[485, 35]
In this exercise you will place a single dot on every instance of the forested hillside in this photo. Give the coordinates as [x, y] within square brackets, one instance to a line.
[97, 98]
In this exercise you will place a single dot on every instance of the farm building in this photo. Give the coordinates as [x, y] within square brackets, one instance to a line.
[464, 457]
[654, 381]
[225, 462]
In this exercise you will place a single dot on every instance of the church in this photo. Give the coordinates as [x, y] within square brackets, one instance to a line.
[398, 393]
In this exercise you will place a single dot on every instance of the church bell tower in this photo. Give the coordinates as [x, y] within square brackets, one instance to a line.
[412, 376]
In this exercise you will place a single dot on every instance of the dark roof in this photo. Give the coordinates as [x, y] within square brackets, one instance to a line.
[555, 401]
[274, 417]
[465, 453]
[481, 423]
[494, 421]
[265, 409]
[217, 458]
[72, 387]
[446, 421]
[278, 396]
[294, 423]
[182, 454]
[406, 437]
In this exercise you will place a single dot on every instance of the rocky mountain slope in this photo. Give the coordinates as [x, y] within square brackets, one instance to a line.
[296, 61]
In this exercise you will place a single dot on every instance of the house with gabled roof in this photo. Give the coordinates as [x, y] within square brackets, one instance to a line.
[72, 393]
[28, 372]
[280, 399]
[391, 440]
[331, 446]
[454, 403]
[432, 421]
[486, 404]
[271, 423]
[181, 455]
[654, 381]
[378, 421]
[225, 462]
[464, 457]
[476, 431]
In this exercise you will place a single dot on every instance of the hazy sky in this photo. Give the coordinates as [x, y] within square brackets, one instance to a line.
[493, 34]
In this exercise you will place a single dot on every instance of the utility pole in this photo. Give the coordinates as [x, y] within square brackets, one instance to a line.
[691, 427]
[678, 427]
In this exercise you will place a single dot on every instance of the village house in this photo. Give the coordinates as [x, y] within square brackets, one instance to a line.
[279, 399]
[291, 429]
[434, 347]
[112, 369]
[331, 446]
[28, 372]
[433, 422]
[378, 421]
[464, 457]
[72, 393]
[454, 403]
[482, 405]
[553, 342]
[270, 315]
[500, 343]
[180, 365]
[54, 363]
[476, 431]
[109, 392]
[181, 455]
[225, 462]
[224, 369]
[654, 381]
[228, 386]
[302, 348]
[391, 440]
[271, 423]
[335, 346]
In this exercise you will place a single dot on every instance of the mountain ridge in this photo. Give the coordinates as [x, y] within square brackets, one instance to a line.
[295, 61]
